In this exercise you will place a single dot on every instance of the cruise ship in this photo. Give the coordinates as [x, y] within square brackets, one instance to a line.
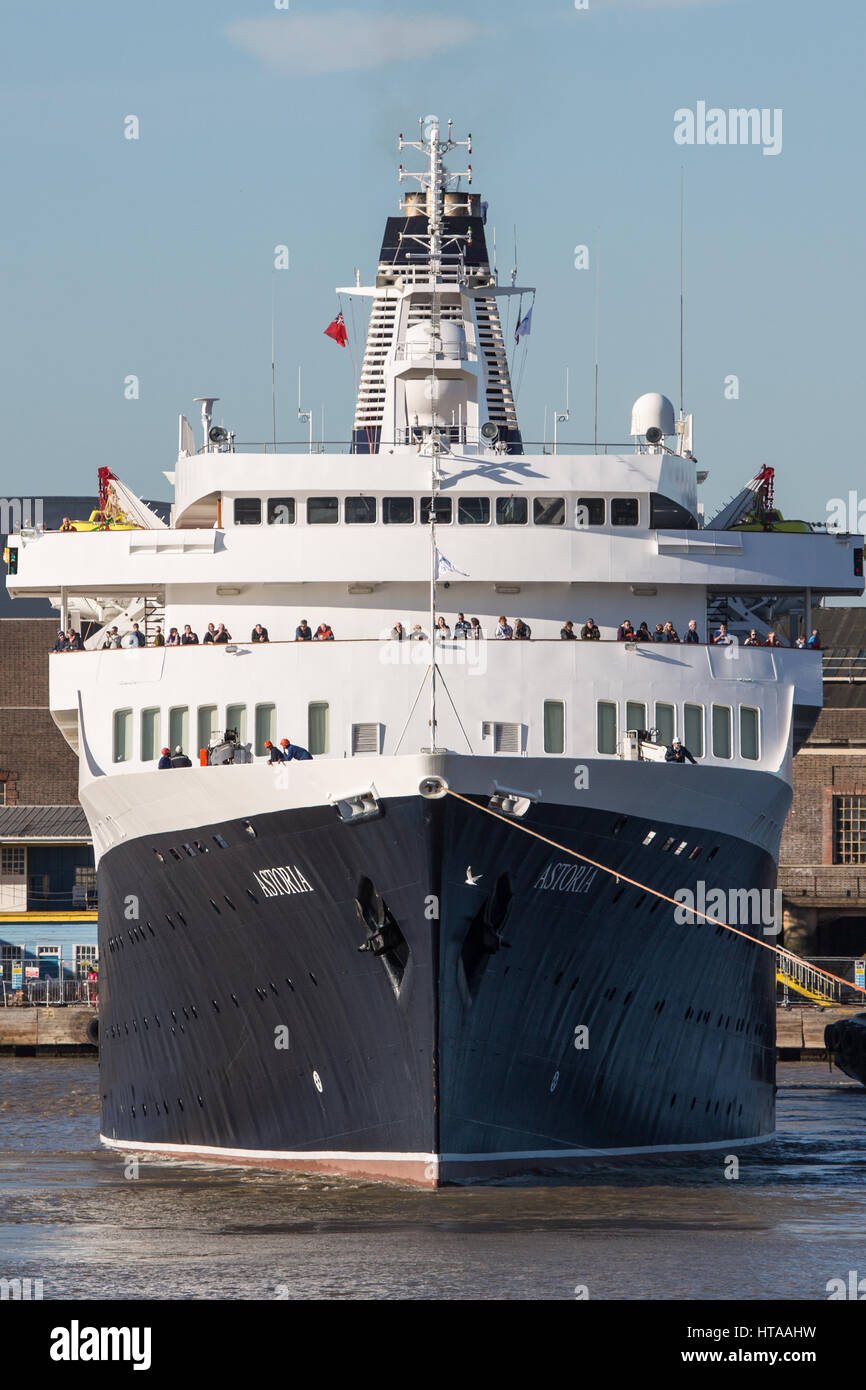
[444, 948]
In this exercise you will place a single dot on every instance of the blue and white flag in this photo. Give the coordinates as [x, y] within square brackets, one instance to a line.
[444, 566]
[524, 327]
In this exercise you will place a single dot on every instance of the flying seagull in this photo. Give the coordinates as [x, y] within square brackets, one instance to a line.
[471, 878]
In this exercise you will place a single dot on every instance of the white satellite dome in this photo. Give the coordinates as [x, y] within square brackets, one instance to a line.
[652, 411]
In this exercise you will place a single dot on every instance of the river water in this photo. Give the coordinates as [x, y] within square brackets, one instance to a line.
[793, 1219]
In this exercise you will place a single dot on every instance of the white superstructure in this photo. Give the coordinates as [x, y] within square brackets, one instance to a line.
[344, 537]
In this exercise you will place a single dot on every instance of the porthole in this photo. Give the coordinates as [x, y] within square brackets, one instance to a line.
[214, 906]
[173, 852]
[695, 852]
[223, 844]
[681, 846]
[648, 838]
[251, 894]
[160, 857]
[230, 903]
[249, 828]
[667, 844]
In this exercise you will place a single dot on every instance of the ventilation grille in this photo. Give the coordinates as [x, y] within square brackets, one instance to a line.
[365, 738]
[506, 737]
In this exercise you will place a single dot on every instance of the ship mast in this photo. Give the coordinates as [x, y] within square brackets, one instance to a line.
[433, 179]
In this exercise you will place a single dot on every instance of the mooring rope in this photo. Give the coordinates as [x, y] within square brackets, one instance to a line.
[778, 951]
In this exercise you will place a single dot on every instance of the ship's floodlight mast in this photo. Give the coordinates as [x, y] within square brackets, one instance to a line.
[434, 180]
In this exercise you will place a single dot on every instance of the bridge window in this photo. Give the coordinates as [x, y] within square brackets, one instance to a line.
[442, 507]
[849, 829]
[150, 722]
[318, 729]
[635, 715]
[266, 728]
[248, 511]
[281, 511]
[322, 511]
[473, 511]
[721, 731]
[606, 714]
[359, 511]
[554, 726]
[236, 718]
[178, 727]
[624, 511]
[589, 511]
[122, 735]
[665, 514]
[511, 511]
[665, 722]
[693, 729]
[398, 511]
[548, 511]
[749, 743]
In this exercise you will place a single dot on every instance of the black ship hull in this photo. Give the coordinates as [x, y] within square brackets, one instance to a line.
[429, 995]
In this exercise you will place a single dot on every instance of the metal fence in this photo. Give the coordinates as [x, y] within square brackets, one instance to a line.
[803, 984]
[35, 992]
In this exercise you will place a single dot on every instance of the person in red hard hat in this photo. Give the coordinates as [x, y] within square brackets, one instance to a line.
[274, 754]
[164, 759]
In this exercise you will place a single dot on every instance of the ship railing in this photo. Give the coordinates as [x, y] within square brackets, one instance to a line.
[487, 634]
[844, 666]
[412, 352]
[355, 446]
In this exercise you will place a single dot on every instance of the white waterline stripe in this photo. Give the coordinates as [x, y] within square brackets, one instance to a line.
[324, 1154]
[327, 1155]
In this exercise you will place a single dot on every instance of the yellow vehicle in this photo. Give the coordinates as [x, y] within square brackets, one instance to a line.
[102, 521]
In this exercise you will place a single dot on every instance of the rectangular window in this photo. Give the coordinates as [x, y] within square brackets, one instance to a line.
[589, 511]
[178, 727]
[548, 511]
[635, 715]
[624, 511]
[322, 511]
[150, 725]
[749, 746]
[281, 511]
[721, 731]
[554, 726]
[236, 718]
[318, 727]
[122, 735]
[207, 722]
[359, 511]
[266, 728]
[473, 511]
[666, 723]
[849, 829]
[442, 507]
[13, 862]
[693, 729]
[606, 712]
[365, 739]
[511, 511]
[398, 511]
[248, 511]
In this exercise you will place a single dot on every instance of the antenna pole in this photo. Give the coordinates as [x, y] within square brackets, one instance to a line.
[273, 358]
[514, 267]
[682, 240]
[595, 343]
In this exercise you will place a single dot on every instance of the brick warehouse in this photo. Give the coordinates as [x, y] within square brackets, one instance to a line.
[822, 868]
[37, 766]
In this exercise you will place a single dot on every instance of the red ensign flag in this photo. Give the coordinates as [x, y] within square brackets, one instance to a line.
[337, 330]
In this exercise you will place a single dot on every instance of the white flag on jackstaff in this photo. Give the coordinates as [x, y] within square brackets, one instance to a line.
[444, 566]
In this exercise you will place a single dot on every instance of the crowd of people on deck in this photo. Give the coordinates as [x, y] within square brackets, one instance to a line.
[468, 629]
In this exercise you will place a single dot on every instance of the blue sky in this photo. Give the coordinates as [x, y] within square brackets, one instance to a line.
[261, 126]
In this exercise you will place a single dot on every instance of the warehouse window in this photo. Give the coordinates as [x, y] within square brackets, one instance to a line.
[849, 829]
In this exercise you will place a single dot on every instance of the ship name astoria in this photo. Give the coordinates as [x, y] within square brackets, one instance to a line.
[282, 880]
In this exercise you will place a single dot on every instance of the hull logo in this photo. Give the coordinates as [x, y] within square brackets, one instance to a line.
[566, 878]
[280, 881]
